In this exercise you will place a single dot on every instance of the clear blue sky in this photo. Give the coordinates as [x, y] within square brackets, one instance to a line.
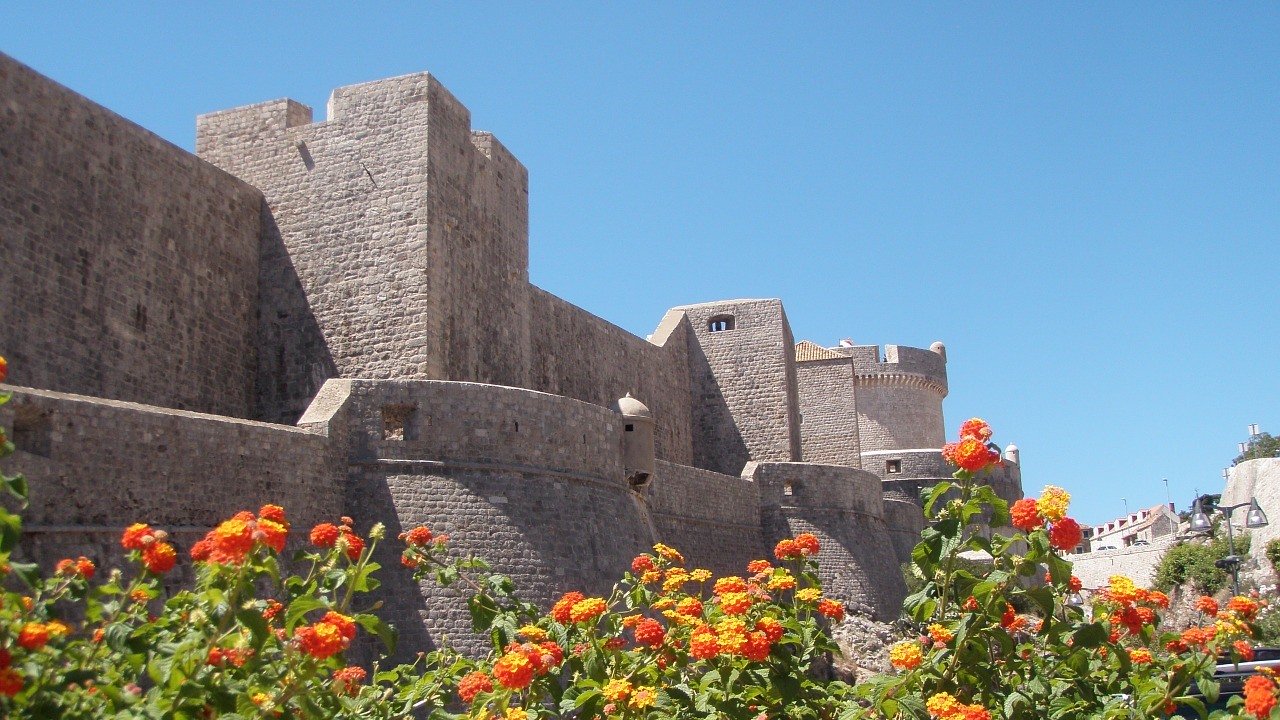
[1080, 199]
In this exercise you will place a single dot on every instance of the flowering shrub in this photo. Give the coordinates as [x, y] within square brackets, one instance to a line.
[670, 641]
[976, 657]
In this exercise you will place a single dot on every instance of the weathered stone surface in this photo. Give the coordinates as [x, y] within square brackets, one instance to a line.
[366, 277]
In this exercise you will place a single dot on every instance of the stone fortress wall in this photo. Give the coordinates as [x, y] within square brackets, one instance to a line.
[130, 267]
[376, 350]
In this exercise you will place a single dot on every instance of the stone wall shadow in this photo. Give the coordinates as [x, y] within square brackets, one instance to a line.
[293, 355]
[550, 534]
[718, 445]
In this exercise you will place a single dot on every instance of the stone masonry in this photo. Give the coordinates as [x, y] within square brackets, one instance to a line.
[335, 315]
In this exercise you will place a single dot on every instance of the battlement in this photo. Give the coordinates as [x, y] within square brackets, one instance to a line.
[900, 364]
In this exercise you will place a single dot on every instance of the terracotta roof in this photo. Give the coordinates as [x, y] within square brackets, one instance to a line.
[806, 350]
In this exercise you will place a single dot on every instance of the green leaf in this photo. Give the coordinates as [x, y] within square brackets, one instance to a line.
[385, 632]
[300, 607]
[1088, 636]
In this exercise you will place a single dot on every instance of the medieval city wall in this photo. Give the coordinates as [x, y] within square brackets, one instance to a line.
[828, 412]
[1137, 563]
[96, 466]
[1258, 479]
[844, 508]
[713, 519]
[395, 243]
[130, 266]
[905, 521]
[579, 355]
[533, 483]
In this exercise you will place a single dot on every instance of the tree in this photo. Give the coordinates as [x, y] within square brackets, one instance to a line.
[1262, 445]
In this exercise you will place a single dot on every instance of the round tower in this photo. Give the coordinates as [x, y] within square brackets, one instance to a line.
[900, 397]
[637, 439]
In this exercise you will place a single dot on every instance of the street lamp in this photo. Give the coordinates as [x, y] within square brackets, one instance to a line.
[1255, 519]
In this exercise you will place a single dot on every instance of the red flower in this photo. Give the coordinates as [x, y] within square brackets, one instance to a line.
[10, 680]
[650, 632]
[1259, 696]
[771, 628]
[159, 557]
[976, 428]
[1207, 605]
[472, 684]
[1244, 650]
[202, 550]
[420, 535]
[560, 612]
[4, 368]
[1025, 515]
[347, 680]
[1065, 534]
[703, 644]
[787, 549]
[274, 513]
[33, 635]
[320, 640]
[970, 454]
[324, 535]
[832, 609]
[355, 544]
[757, 647]
[137, 536]
[514, 671]
[808, 543]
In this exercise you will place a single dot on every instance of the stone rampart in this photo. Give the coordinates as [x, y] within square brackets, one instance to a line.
[130, 266]
[531, 482]
[844, 508]
[1137, 563]
[905, 521]
[713, 519]
[1258, 479]
[581, 356]
[96, 466]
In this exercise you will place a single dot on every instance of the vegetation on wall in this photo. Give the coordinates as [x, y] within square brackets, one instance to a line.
[1193, 562]
[1262, 445]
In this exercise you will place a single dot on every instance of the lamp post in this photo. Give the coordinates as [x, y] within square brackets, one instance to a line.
[1255, 519]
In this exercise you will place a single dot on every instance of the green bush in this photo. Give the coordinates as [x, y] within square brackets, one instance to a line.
[1193, 562]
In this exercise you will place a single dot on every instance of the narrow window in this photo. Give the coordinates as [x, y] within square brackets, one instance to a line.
[397, 422]
[788, 489]
[893, 466]
[720, 323]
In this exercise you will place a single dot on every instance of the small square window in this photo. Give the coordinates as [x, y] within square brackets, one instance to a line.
[630, 427]
[397, 422]
[893, 467]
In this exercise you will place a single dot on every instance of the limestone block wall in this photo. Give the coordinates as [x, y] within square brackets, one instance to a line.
[531, 482]
[1257, 479]
[395, 241]
[578, 355]
[899, 397]
[713, 519]
[1138, 563]
[96, 466]
[844, 508]
[744, 398]
[905, 521]
[130, 266]
[828, 412]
